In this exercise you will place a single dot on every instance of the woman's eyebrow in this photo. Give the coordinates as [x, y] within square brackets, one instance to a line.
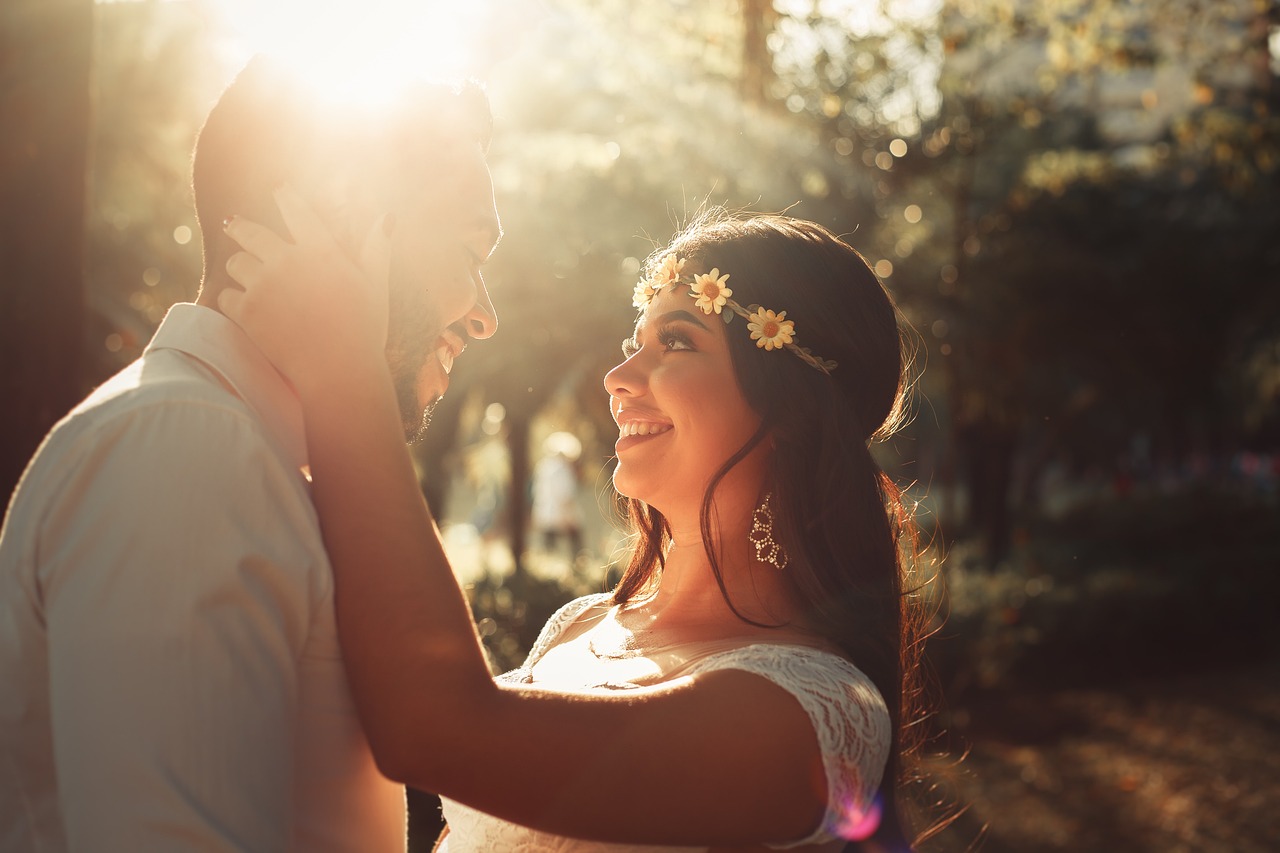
[681, 316]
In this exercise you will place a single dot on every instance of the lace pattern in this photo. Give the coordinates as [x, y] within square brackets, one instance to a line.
[848, 714]
[471, 831]
[561, 619]
[849, 717]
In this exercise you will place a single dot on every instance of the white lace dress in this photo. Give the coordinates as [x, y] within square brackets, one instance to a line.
[848, 714]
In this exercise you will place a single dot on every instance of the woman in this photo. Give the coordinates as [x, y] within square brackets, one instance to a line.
[746, 684]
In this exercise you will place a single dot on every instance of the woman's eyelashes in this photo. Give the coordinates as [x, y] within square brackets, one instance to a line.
[670, 339]
[673, 339]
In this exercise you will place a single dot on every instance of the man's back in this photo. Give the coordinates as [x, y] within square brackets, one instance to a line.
[169, 666]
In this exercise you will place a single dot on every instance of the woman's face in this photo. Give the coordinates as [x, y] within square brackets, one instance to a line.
[679, 410]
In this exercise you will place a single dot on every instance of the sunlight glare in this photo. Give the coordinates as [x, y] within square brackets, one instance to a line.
[351, 49]
[858, 822]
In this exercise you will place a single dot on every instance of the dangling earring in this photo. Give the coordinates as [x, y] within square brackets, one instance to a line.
[767, 548]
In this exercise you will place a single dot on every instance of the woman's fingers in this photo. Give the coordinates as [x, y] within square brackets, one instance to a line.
[231, 303]
[303, 222]
[245, 269]
[258, 240]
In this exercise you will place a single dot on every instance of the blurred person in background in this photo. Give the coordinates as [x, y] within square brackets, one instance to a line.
[556, 516]
[752, 681]
[170, 675]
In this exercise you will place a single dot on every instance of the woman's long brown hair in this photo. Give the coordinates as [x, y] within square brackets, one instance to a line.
[851, 539]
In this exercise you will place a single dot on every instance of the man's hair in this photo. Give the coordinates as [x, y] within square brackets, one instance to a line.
[270, 127]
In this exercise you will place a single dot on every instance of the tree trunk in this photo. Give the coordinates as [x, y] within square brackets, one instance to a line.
[517, 500]
[988, 450]
[957, 366]
[44, 110]
[757, 62]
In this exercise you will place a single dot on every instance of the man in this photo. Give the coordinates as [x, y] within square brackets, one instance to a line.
[170, 675]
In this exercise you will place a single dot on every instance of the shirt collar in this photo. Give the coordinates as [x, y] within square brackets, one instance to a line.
[212, 338]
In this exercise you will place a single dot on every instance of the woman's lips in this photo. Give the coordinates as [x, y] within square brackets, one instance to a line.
[631, 433]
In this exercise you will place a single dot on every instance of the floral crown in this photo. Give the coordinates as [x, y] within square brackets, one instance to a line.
[769, 330]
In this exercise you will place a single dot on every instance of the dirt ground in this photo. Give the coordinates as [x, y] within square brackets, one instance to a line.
[1189, 763]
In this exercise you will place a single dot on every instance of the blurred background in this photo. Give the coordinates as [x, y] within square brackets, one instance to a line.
[1076, 205]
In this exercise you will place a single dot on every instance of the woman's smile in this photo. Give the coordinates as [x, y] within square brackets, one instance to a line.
[631, 433]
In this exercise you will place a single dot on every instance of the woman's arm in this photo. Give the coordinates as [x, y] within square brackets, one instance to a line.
[722, 758]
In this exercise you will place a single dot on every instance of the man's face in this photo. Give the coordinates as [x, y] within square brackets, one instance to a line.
[438, 299]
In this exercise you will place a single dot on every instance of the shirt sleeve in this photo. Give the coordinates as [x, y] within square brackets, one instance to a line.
[177, 584]
[850, 720]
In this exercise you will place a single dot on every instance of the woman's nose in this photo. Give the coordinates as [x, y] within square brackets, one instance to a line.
[624, 380]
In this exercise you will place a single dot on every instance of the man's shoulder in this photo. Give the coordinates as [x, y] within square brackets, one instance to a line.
[156, 380]
[161, 387]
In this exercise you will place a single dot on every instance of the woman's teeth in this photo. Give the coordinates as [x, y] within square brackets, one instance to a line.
[641, 428]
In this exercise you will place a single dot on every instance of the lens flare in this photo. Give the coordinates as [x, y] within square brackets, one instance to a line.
[856, 821]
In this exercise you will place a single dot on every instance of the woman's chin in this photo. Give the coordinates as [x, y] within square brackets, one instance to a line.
[630, 487]
[622, 486]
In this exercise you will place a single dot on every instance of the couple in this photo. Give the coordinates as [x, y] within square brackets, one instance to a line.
[226, 619]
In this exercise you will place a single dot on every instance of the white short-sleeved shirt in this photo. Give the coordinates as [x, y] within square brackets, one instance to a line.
[170, 675]
[848, 714]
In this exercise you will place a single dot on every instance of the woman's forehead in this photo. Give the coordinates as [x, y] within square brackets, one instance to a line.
[679, 307]
[669, 298]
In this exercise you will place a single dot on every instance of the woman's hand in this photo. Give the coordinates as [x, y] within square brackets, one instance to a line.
[313, 310]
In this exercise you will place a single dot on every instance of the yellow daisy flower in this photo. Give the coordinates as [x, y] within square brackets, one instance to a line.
[710, 290]
[769, 330]
[668, 270]
[643, 293]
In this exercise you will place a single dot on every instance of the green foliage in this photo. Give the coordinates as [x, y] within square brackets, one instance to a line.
[1146, 585]
[1074, 203]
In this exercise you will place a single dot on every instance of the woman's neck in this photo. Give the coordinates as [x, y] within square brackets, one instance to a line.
[687, 592]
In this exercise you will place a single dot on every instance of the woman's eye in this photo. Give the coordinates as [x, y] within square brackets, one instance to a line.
[673, 340]
[630, 347]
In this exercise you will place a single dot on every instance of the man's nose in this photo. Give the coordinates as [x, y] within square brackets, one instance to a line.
[482, 320]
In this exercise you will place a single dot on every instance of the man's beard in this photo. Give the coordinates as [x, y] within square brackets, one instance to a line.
[413, 417]
[408, 350]
[419, 431]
